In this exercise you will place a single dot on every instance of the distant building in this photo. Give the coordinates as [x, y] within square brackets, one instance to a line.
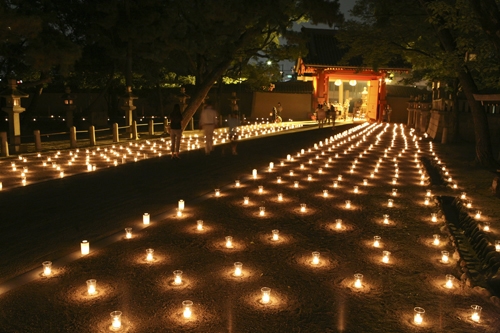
[350, 87]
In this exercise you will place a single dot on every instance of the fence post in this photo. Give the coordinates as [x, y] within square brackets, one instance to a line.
[38, 140]
[92, 135]
[165, 126]
[151, 127]
[116, 134]
[72, 137]
[5, 144]
[135, 136]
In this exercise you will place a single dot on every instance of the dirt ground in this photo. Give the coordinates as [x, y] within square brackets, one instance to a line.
[47, 221]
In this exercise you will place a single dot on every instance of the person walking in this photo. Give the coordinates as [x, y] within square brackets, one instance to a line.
[233, 122]
[320, 116]
[208, 121]
[175, 130]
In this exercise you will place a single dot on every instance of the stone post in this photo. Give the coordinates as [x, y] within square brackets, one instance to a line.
[92, 135]
[129, 107]
[13, 108]
[151, 127]
[4, 148]
[135, 135]
[116, 133]
[72, 137]
[38, 140]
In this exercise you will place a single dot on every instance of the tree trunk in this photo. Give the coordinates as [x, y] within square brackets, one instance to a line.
[456, 112]
[203, 90]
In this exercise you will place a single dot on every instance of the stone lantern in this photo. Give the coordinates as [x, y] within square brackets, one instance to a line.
[129, 107]
[68, 102]
[13, 108]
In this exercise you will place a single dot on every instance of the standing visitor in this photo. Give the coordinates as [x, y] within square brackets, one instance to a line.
[208, 121]
[233, 122]
[320, 116]
[175, 130]
[279, 108]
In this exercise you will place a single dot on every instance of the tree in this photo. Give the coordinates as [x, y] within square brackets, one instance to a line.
[435, 36]
[213, 35]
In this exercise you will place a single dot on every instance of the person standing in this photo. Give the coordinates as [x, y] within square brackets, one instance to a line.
[320, 115]
[233, 122]
[175, 130]
[208, 121]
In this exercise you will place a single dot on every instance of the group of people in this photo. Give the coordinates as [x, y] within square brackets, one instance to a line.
[208, 123]
[325, 113]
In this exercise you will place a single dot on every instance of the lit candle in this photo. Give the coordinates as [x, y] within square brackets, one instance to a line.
[386, 219]
[217, 192]
[180, 205]
[418, 318]
[497, 245]
[266, 295]
[335, 184]
[229, 242]
[291, 172]
[302, 166]
[478, 214]
[445, 257]
[486, 226]
[463, 195]
[278, 180]
[149, 254]
[469, 203]
[261, 189]
[145, 218]
[237, 183]
[271, 165]
[262, 211]
[302, 207]
[91, 286]
[296, 184]
[394, 181]
[325, 193]
[436, 240]
[428, 193]
[372, 174]
[85, 247]
[475, 313]
[320, 170]
[339, 178]
[376, 241]
[116, 320]
[47, 268]
[348, 204]
[309, 177]
[390, 203]
[358, 280]
[177, 277]
[394, 192]
[315, 258]
[245, 200]
[276, 234]
[254, 173]
[238, 268]
[449, 281]
[455, 185]
[385, 256]
[187, 312]
[365, 182]
[128, 233]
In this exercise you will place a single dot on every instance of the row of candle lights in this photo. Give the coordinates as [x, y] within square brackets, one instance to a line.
[265, 299]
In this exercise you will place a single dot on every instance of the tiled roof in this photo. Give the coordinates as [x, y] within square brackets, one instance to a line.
[325, 51]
